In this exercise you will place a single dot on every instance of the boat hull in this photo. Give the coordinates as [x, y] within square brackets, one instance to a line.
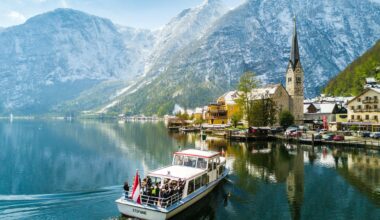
[146, 212]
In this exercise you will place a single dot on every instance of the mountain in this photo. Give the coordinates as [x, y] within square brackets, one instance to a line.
[139, 44]
[189, 25]
[256, 37]
[55, 56]
[351, 80]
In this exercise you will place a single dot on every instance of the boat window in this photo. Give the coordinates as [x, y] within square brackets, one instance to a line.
[197, 183]
[178, 160]
[189, 161]
[204, 179]
[190, 187]
[210, 165]
[154, 180]
[221, 170]
[214, 164]
[202, 163]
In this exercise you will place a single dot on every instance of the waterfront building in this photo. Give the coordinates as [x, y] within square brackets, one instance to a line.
[316, 112]
[198, 114]
[228, 99]
[223, 109]
[216, 114]
[365, 107]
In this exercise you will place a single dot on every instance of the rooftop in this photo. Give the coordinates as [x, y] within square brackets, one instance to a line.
[198, 153]
[263, 92]
[177, 172]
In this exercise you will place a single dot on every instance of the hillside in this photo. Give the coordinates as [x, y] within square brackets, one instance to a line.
[351, 80]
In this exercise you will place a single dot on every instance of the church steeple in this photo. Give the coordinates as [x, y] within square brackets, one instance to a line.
[294, 53]
[295, 79]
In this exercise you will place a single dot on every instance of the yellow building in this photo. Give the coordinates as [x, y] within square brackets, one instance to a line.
[365, 107]
[222, 111]
[198, 114]
[216, 114]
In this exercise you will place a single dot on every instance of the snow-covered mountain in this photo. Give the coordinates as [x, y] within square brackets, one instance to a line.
[256, 37]
[139, 44]
[188, 26]
[55, 56]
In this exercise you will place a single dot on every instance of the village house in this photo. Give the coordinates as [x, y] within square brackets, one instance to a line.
[365, 107]
[316, 112]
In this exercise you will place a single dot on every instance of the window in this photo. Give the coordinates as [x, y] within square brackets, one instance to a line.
[352, 117]
[289, 79]
[298, 80]
[359, 100]
[366, 117]
[202, 163]
[352, 107]
[221, 170]
[204, 179]
[197, 183]
[190, 187]
[189, 161]
[375, 106]
[359, 107]
[178, 160]
[375, 117]
[375, 97]
[358, 117]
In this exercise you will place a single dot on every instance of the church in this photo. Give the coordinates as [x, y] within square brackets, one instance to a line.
[289, 98]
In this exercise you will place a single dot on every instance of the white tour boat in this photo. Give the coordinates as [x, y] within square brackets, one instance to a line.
[192, 175]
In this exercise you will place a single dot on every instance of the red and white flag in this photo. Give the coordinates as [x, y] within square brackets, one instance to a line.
[136, 189]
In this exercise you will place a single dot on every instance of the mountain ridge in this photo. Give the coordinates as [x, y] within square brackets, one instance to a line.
[256, 37]
[55, 56]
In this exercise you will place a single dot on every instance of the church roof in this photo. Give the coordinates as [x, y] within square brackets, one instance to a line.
[263, 92]
[294, 53]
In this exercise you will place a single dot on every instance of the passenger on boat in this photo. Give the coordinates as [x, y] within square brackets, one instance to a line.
[126, 186]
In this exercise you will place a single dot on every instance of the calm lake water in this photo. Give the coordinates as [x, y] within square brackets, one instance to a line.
[74, 170]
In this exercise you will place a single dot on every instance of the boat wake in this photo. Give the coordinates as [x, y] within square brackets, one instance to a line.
[21, 206]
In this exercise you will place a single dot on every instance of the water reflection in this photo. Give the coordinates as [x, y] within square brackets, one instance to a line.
[279, 163]
[268, 180]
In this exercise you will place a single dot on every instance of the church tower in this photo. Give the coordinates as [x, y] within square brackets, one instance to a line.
[295, 80]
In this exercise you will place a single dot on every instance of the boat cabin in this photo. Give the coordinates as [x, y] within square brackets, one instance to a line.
[190, 170]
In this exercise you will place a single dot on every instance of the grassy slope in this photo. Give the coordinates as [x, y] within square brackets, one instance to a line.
[351, 80]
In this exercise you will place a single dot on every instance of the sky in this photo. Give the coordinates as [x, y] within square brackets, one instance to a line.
[150, 14]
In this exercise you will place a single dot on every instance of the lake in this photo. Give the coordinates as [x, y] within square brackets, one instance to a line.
[75, 170]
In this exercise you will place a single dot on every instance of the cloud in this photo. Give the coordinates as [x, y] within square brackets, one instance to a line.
[64, 4]
[16, 16]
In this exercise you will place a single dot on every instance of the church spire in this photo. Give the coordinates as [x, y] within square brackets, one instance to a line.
[294, 53]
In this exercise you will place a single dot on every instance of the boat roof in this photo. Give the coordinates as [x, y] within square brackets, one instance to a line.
[177, 172]
[198, 153]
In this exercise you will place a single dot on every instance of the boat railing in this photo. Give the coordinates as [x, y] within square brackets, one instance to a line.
[158, 201]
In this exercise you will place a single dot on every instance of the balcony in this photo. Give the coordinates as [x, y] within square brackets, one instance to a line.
[370, 101]
[366, 110]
